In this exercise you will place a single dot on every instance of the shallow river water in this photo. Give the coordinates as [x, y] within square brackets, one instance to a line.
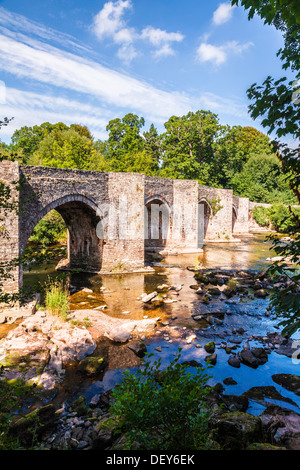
[121, 293]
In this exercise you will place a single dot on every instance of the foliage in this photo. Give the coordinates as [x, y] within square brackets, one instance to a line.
[162, 409]
[50, 230]
[65, 149]
[11, 392]
[56, 300]
[234, 148]
[261, 180]
[277, 103]
[261, 215]
[268, 9]
[187, 146]
[277, 216]
[28, 138]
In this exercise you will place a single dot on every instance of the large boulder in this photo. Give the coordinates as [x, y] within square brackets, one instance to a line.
[290, 382]
[281, 426]
[34, 425]
[236, 430]
[91, 365]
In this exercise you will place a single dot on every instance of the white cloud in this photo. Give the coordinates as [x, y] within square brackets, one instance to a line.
[29, 108]
[51, 66]
[209, 53]
[109, 20]
[219, 54]
[162, 40]
[157, 37]
[17, 23]
[109, 23]
[223, 13]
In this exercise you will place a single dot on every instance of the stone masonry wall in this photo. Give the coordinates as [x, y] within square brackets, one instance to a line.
[9, 227]
[241, 207]
[106, 214]
[220, 202]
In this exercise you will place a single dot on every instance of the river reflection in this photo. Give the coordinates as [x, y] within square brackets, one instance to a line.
[121, 296]
[120, 293]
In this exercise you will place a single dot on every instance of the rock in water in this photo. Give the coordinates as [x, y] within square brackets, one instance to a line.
[138, 348]
[148, 297]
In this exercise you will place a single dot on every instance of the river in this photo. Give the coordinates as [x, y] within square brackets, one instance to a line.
[121, 295]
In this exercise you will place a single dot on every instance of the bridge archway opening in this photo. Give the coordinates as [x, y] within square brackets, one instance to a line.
[157, 224]
[234, 217]
[81, 219]
[204, 216]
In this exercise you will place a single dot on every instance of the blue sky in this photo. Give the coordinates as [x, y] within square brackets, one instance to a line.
[88, 63]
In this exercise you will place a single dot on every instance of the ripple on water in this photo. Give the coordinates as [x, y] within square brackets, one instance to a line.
[121, 296]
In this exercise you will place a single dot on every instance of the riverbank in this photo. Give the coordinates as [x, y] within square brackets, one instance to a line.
[250, 357]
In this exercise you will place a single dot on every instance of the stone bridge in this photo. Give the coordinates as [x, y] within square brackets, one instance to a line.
[113, 219]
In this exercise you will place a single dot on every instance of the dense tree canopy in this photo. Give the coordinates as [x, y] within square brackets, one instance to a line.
[193, 146]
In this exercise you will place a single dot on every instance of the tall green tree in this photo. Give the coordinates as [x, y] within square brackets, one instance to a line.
[234, 148]
[261, 180]
[65, 149]
[126, 149]
[188, 146]
[152, 144]
[27, 139]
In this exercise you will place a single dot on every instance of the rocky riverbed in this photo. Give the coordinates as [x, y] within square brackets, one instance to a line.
[229, 327]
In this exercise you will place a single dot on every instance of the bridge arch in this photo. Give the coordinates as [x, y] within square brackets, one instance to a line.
[205, 213]
[82, 217]
[157, 222]
[234, 215]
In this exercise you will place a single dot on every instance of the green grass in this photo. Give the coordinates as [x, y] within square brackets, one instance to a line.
[56, 300]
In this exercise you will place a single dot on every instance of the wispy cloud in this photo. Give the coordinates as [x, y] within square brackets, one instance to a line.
[28, 108]
[219, 54]
[43, 63]
[223, 13]
[14, 24]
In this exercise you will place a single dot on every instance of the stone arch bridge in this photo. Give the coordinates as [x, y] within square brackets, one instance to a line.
[113, 219]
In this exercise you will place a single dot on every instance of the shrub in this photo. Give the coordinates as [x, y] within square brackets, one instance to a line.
[281, 218]
[277, 215]
[162, 409]
[261, 215]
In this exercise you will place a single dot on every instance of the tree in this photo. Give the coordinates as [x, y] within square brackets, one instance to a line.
[261, 180]
[188, 146]
[152, 144]
[277, 103]
[127, 149]
[124, 139]
[233, 150]
[65, 149]
[268, 9]
[28, 139]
